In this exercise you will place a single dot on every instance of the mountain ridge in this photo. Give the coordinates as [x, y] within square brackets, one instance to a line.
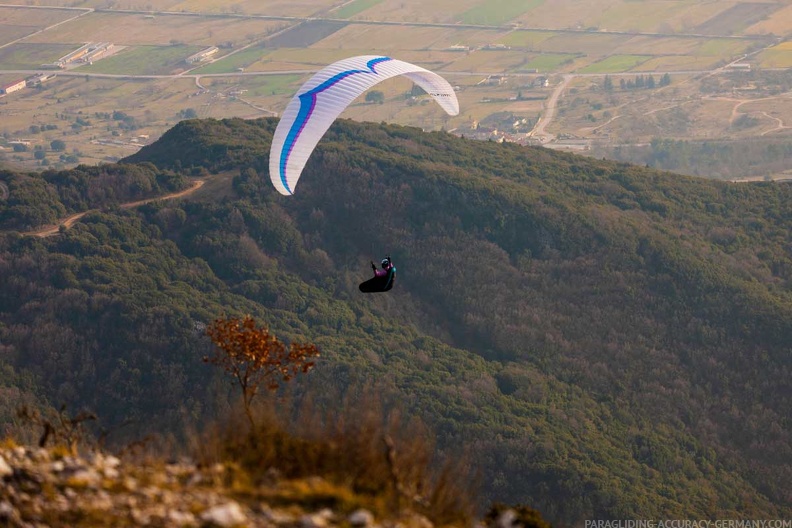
[609, 339]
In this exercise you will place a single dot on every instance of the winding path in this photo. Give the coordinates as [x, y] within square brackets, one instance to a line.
[72, 219]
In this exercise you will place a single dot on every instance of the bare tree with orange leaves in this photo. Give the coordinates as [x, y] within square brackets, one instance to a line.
[252, 356]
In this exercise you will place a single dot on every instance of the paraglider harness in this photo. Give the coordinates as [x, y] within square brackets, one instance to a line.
[383, 279]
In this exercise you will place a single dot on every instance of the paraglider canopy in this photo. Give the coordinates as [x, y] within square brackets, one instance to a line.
[325, 95]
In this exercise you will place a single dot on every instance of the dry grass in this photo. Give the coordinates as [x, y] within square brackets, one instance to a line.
[368, 456]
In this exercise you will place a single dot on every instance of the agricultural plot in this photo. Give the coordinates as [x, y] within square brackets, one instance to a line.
[394, 39]
[615, 64]
[490, 61]
[304, 8]
[134, 30]
[548, 62]
[436, 11]
[144, 60]
[267, 87]
[653, 45]
[593, 44]
[677, 63]
[353, 8]
[733, 20]
[777, 24]
[306, 34]
[721, 48]
[777, 57]
[22, 56]
[10, 33]
[35, 18]
[297, 59]
[525, 39]
[498, 12]
[232, 63]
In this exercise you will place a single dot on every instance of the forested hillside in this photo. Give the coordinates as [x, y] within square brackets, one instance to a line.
[605, 340]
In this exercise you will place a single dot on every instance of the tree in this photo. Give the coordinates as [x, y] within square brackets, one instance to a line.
[608, 84]
[58, 145]
[375, 96]
[252, 356]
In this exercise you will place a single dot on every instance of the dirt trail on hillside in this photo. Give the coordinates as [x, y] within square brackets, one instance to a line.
[72, 219]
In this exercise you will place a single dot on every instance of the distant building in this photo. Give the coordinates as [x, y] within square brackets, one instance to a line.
[12, 87]
[458, 47]
[39, 78]
[202, 55]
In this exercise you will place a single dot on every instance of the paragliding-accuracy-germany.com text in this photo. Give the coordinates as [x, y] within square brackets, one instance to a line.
[688, 523]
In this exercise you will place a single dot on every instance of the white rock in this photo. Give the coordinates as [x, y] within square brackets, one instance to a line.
[362, 518]
[225, 515]
[319, 519]
[178, 518]
[277, 517]
[111, 461]
[506, 519]
[58, 466]
[5, 469]
[84, 477]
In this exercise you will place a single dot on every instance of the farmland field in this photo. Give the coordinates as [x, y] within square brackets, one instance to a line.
[395, 38]
[777, 57]
[615, 64]
[144, 60]
[547, 62]
[436, 11]
[497, 12]
[305, 34]
[132, 29]
[723, 48]
[274, 8]
[353, 8]
[676, 63]
[31, 56]
[593, 44]
[489, 61]
[526, 39]
[35, 18]
[778, 23]
[232, 63]
[736, 18]
[9, 33]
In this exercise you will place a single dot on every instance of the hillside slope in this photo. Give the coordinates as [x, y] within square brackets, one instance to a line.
[606, 340]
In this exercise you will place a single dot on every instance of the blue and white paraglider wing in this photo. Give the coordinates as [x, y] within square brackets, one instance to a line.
[323, 97]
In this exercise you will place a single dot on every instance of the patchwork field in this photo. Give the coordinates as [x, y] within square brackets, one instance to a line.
[145, 60]
[233, 62]
[137, 30]
[436, 11]
[526, 39]
[497, 12]
[32, 56]
[33, 18]
[733, 20]
[353, 8]
[777, 57]
[615, 64]
[9, 33]
[361, 36]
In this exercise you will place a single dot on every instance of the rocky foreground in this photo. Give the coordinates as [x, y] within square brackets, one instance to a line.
[51, 487]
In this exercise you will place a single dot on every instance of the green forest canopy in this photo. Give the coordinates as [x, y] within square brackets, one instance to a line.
[608, 341]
